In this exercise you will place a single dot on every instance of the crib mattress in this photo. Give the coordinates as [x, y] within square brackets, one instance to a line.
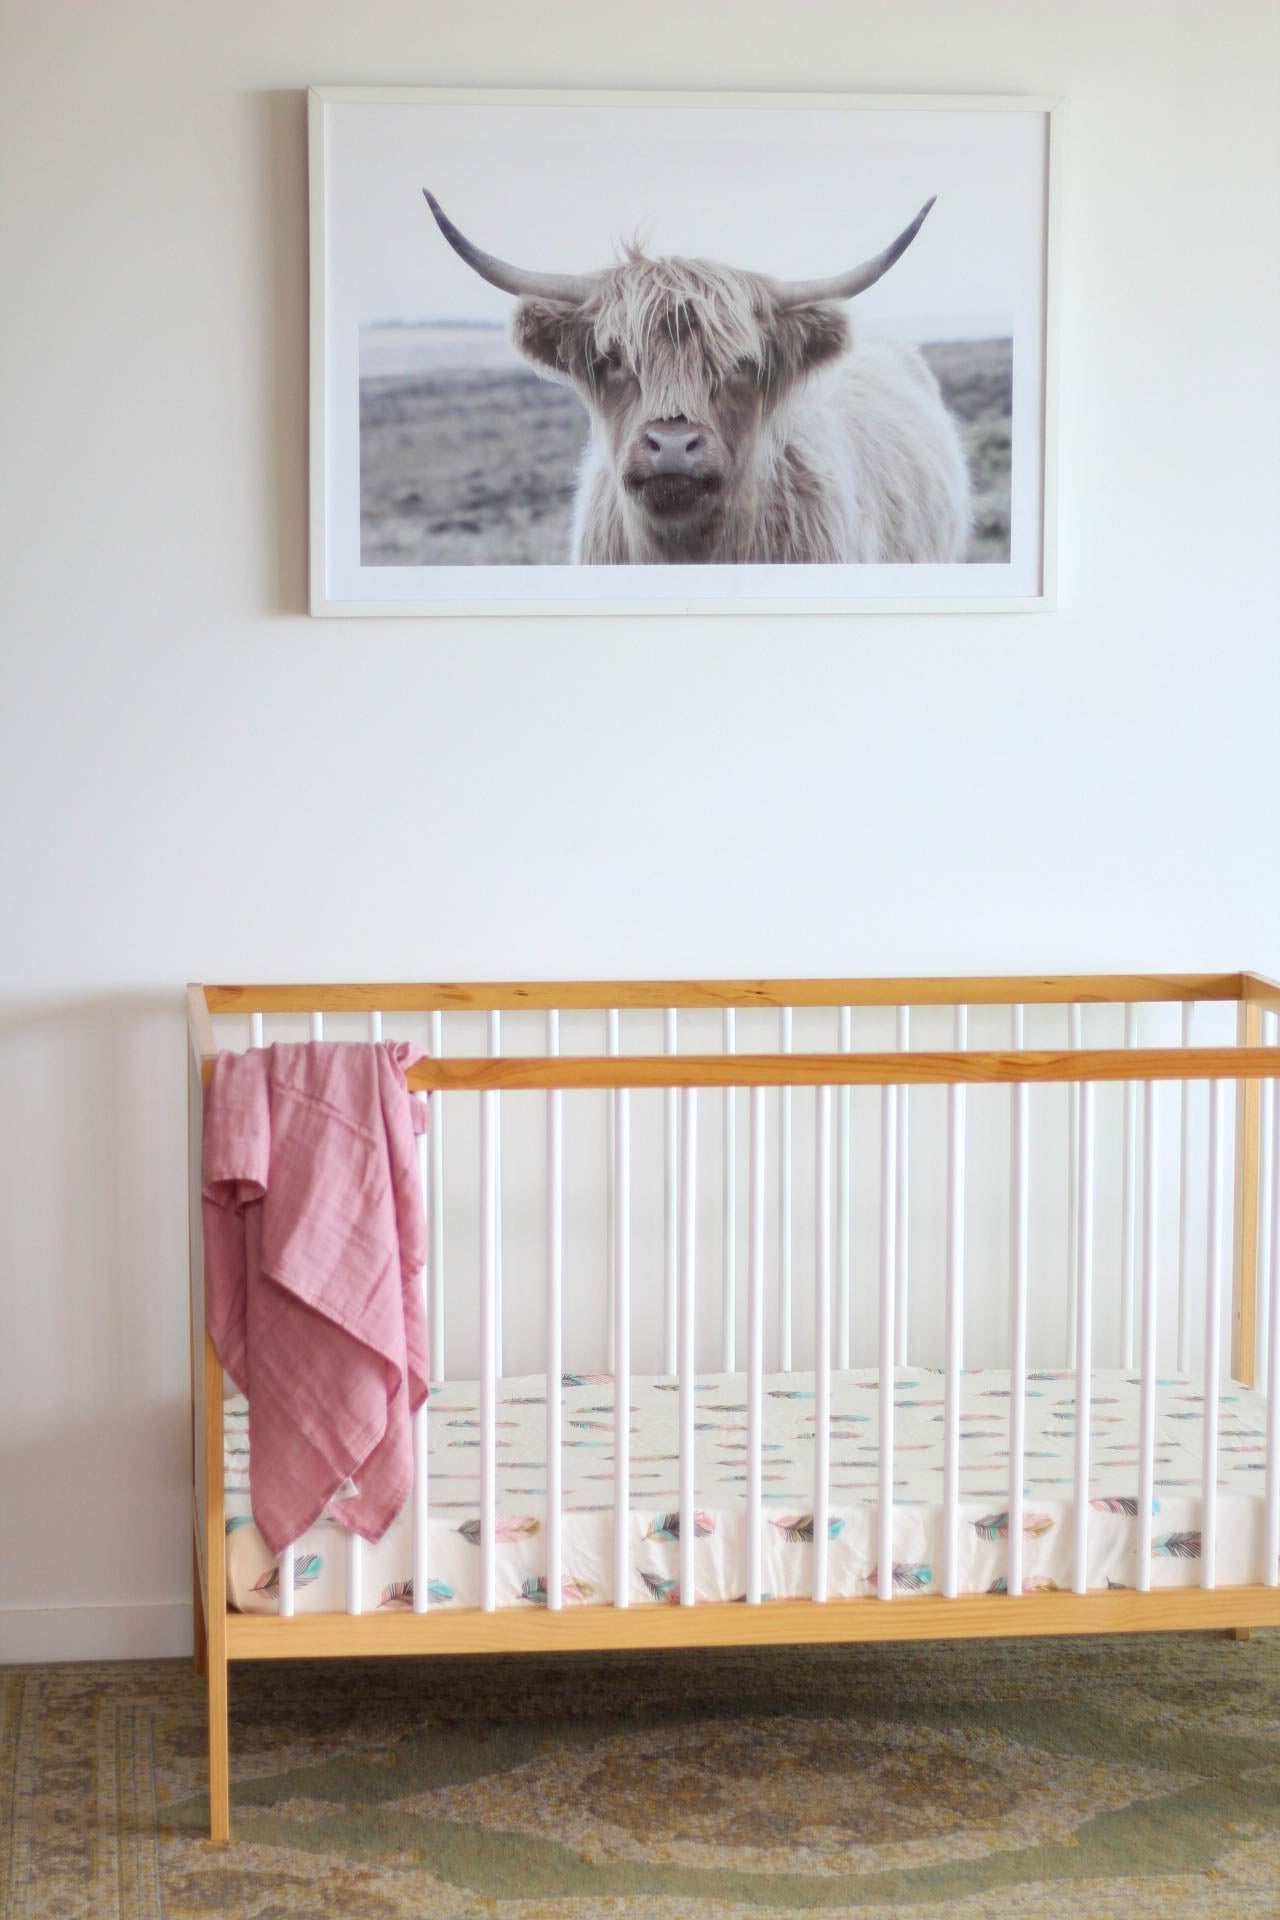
[453, 1542]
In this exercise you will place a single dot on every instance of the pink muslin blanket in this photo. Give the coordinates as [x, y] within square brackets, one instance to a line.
[315, 1238]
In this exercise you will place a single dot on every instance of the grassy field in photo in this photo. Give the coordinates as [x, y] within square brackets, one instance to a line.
[469, 458]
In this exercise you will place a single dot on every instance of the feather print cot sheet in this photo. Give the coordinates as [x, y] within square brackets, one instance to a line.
[453, 1546]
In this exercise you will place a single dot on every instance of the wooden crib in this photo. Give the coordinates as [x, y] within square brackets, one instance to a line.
[790, 1151]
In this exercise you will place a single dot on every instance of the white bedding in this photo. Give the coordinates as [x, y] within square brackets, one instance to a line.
[787, 1528]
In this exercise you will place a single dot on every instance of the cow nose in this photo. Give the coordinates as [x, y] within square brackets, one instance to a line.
[672, 444]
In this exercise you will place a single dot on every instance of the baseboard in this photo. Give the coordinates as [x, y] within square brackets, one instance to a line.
[148, 1631]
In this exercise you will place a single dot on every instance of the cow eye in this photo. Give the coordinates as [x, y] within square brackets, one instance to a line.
[742, 373]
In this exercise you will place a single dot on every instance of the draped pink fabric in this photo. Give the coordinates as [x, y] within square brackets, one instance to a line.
[315, 1238]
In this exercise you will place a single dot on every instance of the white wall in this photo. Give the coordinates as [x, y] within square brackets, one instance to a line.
[202, 782]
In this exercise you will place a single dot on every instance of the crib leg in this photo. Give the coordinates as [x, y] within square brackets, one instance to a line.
[200, 1646]
[1239, 1633]
[219, 1742]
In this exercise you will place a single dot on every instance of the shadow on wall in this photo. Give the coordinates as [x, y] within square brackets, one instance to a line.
[94, 1435]
[282, 239]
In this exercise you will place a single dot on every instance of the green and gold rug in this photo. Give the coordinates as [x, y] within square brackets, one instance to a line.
[1065, 1780]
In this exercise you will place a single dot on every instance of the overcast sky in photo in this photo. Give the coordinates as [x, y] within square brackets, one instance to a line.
[794, 193]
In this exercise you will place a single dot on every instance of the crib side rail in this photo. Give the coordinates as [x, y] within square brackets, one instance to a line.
[531, 1073]
[510, 1074]
[1248, 1064]
[950, 1613]
[658, 995]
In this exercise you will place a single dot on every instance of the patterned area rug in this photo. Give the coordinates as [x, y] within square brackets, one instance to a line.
[1069, 1780]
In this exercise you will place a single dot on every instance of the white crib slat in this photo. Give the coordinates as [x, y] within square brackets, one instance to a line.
[785, 1045]
[822, 1346]
[1128, 1205]
[488, 1351]
[844, 1202]
[554, 1320]
[671, 1199]
[421, 1485]
[1018, 1228]
[286, 1583]
[355, 1545]
[1184, 1208]
[255, 1029]
[495, 1049]
[888, 1277]
[1084, 1340]
[729, 1197]
[612, 1047]
[954, 1324]
[902, 1199]
[688, 1395]
[1075, 1039]
[622, 1350]
[436, 1210]
[421, 1453]
[317, 1026]
[755, 1345]
[1266, 1208]
[1271, 1546]
[355, 1573]
[1212, 1341]
[1150, 1304]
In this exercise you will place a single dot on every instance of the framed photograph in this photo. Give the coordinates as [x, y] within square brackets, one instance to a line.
[677, 353]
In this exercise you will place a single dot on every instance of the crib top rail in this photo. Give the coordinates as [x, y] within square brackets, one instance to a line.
[571, 996]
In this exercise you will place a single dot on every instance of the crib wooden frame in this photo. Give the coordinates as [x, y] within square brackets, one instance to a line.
[223, 1636]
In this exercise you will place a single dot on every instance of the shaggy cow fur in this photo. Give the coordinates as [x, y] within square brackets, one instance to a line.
[730, 425]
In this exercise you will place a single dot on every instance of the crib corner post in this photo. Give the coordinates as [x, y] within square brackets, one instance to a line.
[219, 1750]
[210, 1596]
[199, 1632]
[215, 1560]
[1244, 1265]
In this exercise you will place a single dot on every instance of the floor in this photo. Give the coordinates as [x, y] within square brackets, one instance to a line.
[1069, 1779]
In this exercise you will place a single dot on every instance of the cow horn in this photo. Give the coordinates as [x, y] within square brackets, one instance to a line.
[843, 286]
[544, 286]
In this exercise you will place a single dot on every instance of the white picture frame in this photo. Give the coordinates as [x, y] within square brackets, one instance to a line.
[407, 387]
